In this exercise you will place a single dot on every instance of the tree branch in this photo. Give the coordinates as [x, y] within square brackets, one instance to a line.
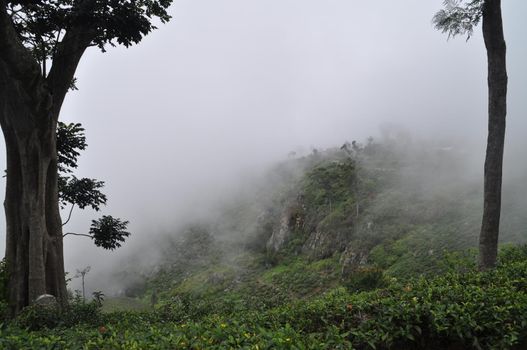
[69, 215]
[19, 61]
[68, 54]
[77, 234]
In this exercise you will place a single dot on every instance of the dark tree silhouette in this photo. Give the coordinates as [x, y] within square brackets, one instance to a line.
[41, 44]
[457, 18]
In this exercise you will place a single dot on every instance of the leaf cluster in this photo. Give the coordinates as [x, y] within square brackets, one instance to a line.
[458, 17]
[70, 141]
[40, 24]
[109, 232]
[82, 192]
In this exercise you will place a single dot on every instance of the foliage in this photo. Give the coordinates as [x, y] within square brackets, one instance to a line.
[365, 278]
[98, 298]
[3, 288]
[458, 17]
[70, 140]
[82, 192]
[36, 317]
[109, 232]
[42, 25]
[456, 310]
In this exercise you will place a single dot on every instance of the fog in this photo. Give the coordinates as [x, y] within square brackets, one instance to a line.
[227, 88]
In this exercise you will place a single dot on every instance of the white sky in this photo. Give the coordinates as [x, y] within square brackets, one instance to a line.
[230, 85]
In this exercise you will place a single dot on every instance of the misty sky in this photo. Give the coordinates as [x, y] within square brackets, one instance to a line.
[229, 86]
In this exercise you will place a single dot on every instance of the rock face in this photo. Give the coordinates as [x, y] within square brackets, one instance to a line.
[322, 218]
[280, 235]
[323, 244]
[352, 258]
[291, 220]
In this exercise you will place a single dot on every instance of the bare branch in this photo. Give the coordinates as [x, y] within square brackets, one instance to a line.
[77, 234]
[67, 56]
[69, 215]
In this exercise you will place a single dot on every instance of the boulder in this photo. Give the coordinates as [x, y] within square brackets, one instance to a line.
[46, 300]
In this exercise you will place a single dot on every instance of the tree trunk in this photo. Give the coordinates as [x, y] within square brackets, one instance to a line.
[34, 253]
[29, 109]
[497, 109]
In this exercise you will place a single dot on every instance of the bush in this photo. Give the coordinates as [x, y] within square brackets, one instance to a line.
[37, 317]
[457, 310]
[365, 278]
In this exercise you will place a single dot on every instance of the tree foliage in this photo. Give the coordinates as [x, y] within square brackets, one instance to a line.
[106, 232]
[459, 17]
[70, 141]
[82, 192]
[109, 232]
[42, 25]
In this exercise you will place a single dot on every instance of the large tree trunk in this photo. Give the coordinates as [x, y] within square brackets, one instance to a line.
[497, 109]
[29, 109]
[34, 252]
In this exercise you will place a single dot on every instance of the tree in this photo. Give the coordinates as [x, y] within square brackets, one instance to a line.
[460, 18]
[82, 274]
[41, 44]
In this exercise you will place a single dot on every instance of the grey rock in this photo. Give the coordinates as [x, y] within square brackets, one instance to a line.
[46, 300]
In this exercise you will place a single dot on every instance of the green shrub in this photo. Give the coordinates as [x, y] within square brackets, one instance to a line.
[460, 309]
[37, 317]
[81, 313]
[365, 278]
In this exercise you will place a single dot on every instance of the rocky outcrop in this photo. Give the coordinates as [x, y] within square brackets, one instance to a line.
[352, 258]
[291, 220]
[323, 244]
[279, 235]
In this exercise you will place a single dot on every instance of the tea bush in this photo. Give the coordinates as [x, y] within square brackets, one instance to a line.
[37, 317]
[460, 309]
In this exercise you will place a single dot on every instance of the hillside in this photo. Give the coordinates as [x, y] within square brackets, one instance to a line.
[363, 246]
[353, 216]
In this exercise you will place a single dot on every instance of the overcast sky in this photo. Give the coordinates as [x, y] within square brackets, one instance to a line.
[229, 86]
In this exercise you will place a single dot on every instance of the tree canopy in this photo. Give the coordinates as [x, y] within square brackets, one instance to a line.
[43, 24]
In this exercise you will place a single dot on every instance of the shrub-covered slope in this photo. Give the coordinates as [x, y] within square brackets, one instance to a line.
[357, 247]
[455, 310]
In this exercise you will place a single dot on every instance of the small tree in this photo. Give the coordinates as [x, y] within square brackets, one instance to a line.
[82, 274]
[459, 18]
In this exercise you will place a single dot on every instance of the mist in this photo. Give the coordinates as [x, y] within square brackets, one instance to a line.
[204, 106]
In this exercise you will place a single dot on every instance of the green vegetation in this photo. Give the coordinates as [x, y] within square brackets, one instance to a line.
[368, 258]
[455, 310]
